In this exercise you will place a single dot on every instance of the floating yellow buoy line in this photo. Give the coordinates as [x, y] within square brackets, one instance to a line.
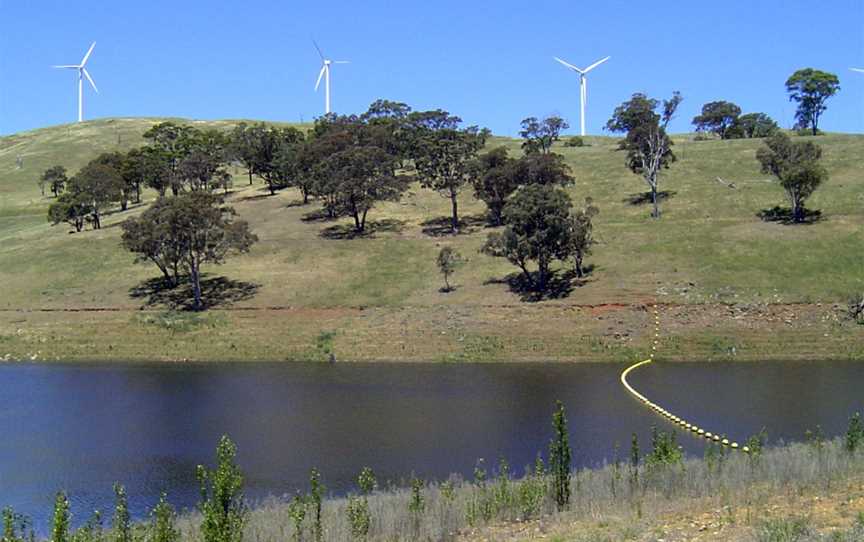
[698, 431]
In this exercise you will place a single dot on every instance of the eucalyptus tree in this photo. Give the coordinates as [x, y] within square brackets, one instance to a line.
[811, 88]
[796, 165]
[443, 155]
[648, 146]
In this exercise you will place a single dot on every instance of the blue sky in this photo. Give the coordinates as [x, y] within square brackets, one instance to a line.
[490, 63]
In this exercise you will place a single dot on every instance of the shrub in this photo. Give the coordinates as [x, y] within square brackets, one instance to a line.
[575, 141]
[664, 448]
[16, 527]
[121, 524]
[60, 523]
[532, 490]
[297, 513]
[315, 496]
[358, 507]
[221, 506]
[854, 434]
[163, 519]
[560, 457]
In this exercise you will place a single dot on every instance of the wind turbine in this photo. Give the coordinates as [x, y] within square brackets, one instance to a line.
[325, 73]
[583, 84]
[857, 70]
[82, 72]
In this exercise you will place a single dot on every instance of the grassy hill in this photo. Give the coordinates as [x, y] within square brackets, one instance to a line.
[733, 286]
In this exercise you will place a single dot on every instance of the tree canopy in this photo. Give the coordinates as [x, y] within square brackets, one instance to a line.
[182, 233]
[717, 117]
[811, 88]
[796, 166]
[648, 146]
[539, 135]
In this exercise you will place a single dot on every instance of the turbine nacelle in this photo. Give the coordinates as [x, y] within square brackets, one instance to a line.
[583, 84]
[325, 74]
[82, 74]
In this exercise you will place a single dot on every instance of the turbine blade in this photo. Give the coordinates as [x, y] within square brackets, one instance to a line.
[318, 49]
[90, 50]
[592, 66]
[341, 62]
[87, 75]
[859, 70]
[567, 64]
[67, 66]
[320, 75]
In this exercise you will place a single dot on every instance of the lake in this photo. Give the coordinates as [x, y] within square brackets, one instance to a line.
[81, 427]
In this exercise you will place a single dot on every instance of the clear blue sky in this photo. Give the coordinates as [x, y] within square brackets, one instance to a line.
[490, 63]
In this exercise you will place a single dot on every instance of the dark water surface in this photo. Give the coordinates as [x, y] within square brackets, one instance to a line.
[82, 427]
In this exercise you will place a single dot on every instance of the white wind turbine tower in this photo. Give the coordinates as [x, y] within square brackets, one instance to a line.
[325, 73]
[82, 72]
[583, 85]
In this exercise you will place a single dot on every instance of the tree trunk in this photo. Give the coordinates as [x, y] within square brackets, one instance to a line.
[271, 187]
[446, 283]
[358, 226]
[656, 212]
[250, 176]
[578, 265]
[454, 220]
[138, 193]
[305, 194]
[542, 272]
[196, 284]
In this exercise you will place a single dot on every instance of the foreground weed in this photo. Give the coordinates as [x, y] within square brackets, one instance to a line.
[222, 508]
[60, 522]
[297, 513]
[854, 434]
[122, 520]
[163, 519]
[560, 458]
[16, 527]
[784, 530]
[358, 507]
[316, 495]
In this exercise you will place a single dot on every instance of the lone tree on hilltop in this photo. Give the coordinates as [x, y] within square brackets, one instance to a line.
[811, 89]
[648, 146]
[539, 135]
[184, 232]
[717, 117]
[796, 166]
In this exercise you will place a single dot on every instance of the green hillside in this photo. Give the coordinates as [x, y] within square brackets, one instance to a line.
[734, 287]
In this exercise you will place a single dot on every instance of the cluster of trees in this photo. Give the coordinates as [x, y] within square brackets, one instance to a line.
[725, 120]
[808, 87]
[525, 195]
[351, 162]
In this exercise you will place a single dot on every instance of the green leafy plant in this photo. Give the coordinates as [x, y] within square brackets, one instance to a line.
[315, 496]
[854, 433]
[560, 457]
[222, 507]
[121, 525]
[60, 522]
[297, 513]
[163, 519]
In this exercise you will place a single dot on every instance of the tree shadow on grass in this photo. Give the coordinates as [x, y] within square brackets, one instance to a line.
[318, 215]
[783, 215]
[347, 231]
[643, 198]
[559, 286]
[215, 292]
[265, 193]
[441, 226]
